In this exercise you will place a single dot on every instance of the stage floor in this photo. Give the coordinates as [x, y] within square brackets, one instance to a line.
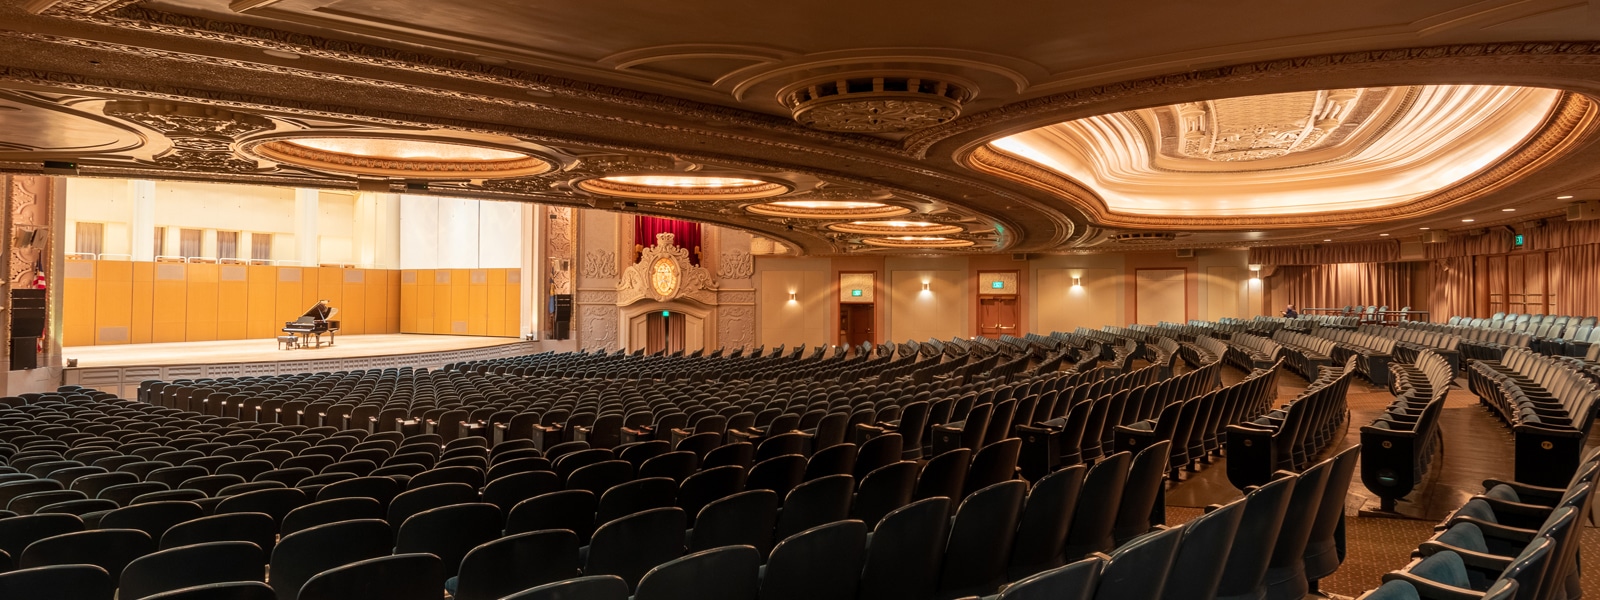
[243, 351]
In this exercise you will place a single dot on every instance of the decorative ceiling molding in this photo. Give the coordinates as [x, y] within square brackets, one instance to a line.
[1024, 115]
[1572, 121]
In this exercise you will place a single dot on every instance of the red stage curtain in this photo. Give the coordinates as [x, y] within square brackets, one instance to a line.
[1339, 285]
[685, 234]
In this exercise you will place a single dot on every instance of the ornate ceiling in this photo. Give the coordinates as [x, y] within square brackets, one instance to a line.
[836, 112]
[1332, 154]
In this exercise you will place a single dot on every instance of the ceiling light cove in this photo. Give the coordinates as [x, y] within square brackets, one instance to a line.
[917, 241]
[896, 227]
[828, 209]
[1302, 156]
[411, 158]
[683, 187]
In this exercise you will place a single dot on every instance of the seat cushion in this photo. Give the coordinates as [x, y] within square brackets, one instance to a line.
[1465, 536]
[1444, 567]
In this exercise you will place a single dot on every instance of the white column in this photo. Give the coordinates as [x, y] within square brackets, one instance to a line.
[305, 227]
[142, 231]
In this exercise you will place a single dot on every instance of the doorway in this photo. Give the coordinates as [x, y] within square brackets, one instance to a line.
[855, 324]
[997, 315]
[665, 330]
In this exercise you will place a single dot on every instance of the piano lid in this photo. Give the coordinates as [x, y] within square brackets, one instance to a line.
[320, 311]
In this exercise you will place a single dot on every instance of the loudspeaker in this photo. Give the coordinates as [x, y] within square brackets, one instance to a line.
[561, 305]
[563, 330]
[1587, 210]
[24, 353]
[27, 326]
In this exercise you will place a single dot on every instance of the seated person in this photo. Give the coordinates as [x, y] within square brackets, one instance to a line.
[1289, 312]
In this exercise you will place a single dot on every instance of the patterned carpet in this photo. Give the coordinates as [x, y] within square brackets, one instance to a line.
[1477, 446]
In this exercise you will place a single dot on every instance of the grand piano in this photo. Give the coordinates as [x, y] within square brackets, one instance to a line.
[314, 323]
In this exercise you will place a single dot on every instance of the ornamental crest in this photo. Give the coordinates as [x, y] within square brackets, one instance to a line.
[664, 273]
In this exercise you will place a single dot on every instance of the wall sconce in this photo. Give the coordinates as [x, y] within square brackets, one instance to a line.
[791, 297]
[925, 286]
[1077, 281]
[1255, 273]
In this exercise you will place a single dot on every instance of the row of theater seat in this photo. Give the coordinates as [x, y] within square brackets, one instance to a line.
[1291, 437]
[1398, 446]
[1549, 405]
[1514, 540]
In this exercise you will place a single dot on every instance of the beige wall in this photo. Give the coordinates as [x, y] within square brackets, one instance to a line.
[802, 320]
[1093, 303]
[938, 312]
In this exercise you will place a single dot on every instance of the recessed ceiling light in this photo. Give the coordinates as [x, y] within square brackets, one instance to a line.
[1383, 235]
[1327, 240]
[1567, 197]
[1467, 220]
[1508, 210]
[1424, 228]
[281, 54]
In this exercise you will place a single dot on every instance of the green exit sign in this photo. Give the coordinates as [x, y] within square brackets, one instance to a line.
[666, 313]
[855, 293]
[1518, 242]
[999, 285]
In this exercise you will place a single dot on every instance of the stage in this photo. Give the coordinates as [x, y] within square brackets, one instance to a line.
[120, 369]
[253, 351]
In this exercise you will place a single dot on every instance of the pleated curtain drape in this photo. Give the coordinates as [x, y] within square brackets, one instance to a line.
[1574, 274]
[685, 234]
[1454, 287]
[1340, 285]
[665, 333]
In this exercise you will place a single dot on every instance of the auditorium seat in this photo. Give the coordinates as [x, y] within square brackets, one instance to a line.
[189, 566]
[397, 577]
[823, 562]
[725, 573]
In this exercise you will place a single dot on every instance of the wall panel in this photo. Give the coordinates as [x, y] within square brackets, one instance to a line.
[202, 298]
[1160, 295]
[120, 302]
[78, 305]
[113, 303]
[233, 301]
[1064, 307]
[142, 316]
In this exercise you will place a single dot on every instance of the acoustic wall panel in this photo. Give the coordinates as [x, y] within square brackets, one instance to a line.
[265, 298]
[118, 302]
[78, 304]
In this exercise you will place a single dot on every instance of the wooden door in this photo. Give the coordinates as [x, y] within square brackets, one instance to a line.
[997, 315]
[855, 323]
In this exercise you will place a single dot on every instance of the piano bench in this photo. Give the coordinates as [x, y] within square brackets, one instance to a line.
[286, 342]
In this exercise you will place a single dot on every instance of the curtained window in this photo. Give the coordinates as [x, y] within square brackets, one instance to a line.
[685, 234]
[227, 244]
[160, 241]
[260, 246]
[91, 238]
[189, 242]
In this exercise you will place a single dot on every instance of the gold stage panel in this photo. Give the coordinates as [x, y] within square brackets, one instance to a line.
[239, 351]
